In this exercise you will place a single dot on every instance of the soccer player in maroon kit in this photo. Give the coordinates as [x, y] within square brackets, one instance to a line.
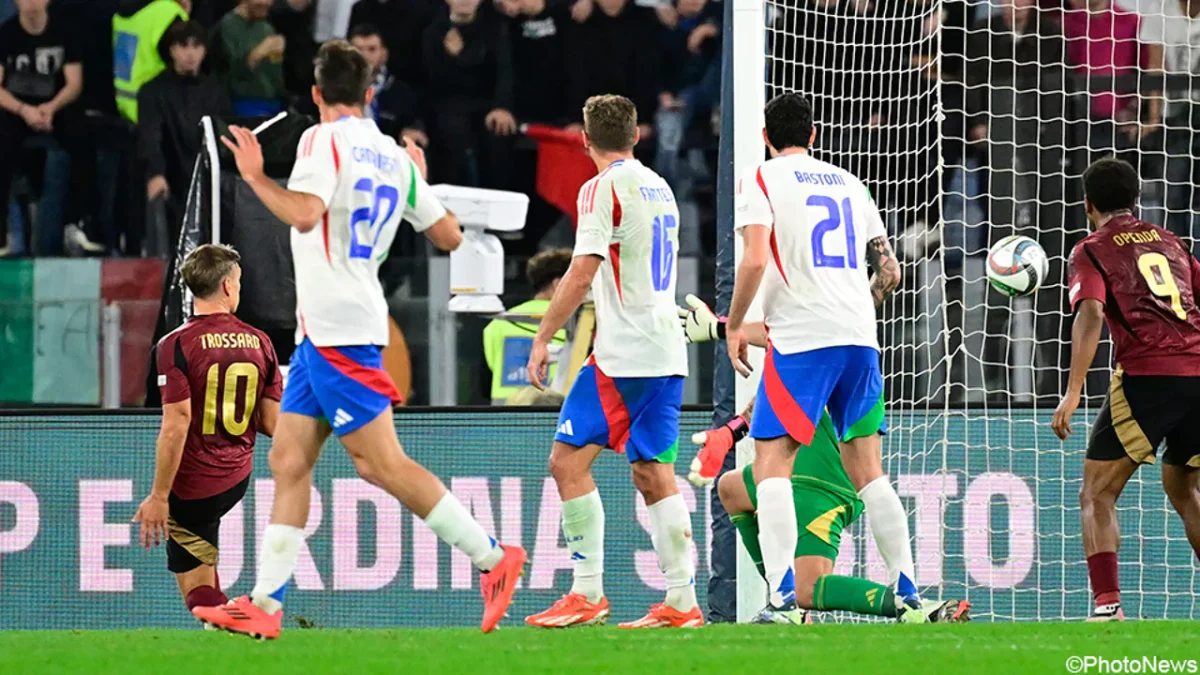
[1142, 280]
[221, 386]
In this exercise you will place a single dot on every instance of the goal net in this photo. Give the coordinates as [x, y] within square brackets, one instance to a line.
[970, 122]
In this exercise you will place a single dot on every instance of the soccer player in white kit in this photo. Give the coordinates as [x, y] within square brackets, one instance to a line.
[811, 235]
[350, 188]
[628, 395]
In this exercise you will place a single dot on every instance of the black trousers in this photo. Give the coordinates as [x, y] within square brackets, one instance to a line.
[463, 152]
[70, 132]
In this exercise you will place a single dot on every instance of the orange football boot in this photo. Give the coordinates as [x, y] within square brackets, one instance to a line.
[572, 609]
[663, 615]
[498, 585]
[240, 615]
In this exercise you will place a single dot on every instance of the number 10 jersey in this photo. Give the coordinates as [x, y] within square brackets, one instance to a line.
[223, 367]
[629, 218]
[369, 185]
[815, 291]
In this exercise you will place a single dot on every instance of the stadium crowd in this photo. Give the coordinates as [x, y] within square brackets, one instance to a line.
[114, 88]
[102, 97]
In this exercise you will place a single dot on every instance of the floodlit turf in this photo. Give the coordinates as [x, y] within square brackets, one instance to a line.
[821, 650]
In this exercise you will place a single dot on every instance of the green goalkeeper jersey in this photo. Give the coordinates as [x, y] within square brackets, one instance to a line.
[820, 463]
[826, 503]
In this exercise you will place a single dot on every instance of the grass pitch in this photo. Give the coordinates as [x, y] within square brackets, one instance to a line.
[822, 649]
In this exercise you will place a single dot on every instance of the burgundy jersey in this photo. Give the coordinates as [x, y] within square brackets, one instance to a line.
[225, 366]
[1147, 279]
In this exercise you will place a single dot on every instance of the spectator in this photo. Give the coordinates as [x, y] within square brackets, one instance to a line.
[40, 77]
[1015, 88]
[1174, 27]
[107, 132]
[171, 107]
[1014, 64]
[332, 19]
[252, 59]
[468, 60]
[293, 20]
[401, 24]
[614, 50]
[91, 24]
[693, 79]
[506, 343]
[137, 57]
[394, 105]
[537, 31]
[813, 41]
[1102, 41]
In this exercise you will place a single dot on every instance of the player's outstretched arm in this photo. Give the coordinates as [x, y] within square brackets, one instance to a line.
[885, 269]
[715, 445]
[301, 210]
[571, 292]
[445, 234]
[1085, 337]
[701, 324]
[153, 512]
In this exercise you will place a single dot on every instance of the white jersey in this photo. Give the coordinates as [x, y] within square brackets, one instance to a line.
[628, 217]
[815, 291]
[369, 185]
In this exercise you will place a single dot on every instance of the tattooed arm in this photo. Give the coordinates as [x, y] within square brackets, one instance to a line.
[884, 267]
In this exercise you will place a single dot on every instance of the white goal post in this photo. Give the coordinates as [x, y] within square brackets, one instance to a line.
[965, 133]
[749, 45]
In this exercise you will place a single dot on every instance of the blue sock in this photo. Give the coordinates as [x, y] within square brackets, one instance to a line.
[906, 589]
[787, 588]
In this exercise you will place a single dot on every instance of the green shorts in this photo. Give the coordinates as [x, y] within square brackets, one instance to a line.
[821, 513]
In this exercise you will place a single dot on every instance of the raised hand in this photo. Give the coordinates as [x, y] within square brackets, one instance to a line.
[247, 153]
[699, 323]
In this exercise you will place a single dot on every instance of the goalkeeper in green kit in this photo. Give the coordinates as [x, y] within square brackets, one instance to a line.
[826, 504]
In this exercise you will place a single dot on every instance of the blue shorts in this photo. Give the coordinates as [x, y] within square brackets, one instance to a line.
[345, 385]
[638, 416]
[796, 388]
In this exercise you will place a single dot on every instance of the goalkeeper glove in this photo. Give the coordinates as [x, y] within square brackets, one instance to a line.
[716, 444]
[699, 323]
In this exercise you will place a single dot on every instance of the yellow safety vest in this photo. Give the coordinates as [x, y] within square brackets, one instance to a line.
[135, 50]
[506, 347]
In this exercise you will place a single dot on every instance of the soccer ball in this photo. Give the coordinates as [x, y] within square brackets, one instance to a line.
[1017, 266]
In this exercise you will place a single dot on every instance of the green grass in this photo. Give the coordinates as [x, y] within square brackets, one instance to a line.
[819, 650]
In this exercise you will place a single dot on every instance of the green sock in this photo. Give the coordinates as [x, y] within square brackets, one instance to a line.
[747, 526]
[854, 594]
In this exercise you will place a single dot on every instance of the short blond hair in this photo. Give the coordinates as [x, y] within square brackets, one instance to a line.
[610, 122]
[206, 267]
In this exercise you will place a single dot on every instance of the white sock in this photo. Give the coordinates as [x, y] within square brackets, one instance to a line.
[583, 527]
[777, 537]
[671, 525]
[451, 521]
[276, 562]
[889, 525]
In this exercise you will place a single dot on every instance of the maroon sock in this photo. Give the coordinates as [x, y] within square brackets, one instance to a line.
[1102, 570]
[205, 596]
